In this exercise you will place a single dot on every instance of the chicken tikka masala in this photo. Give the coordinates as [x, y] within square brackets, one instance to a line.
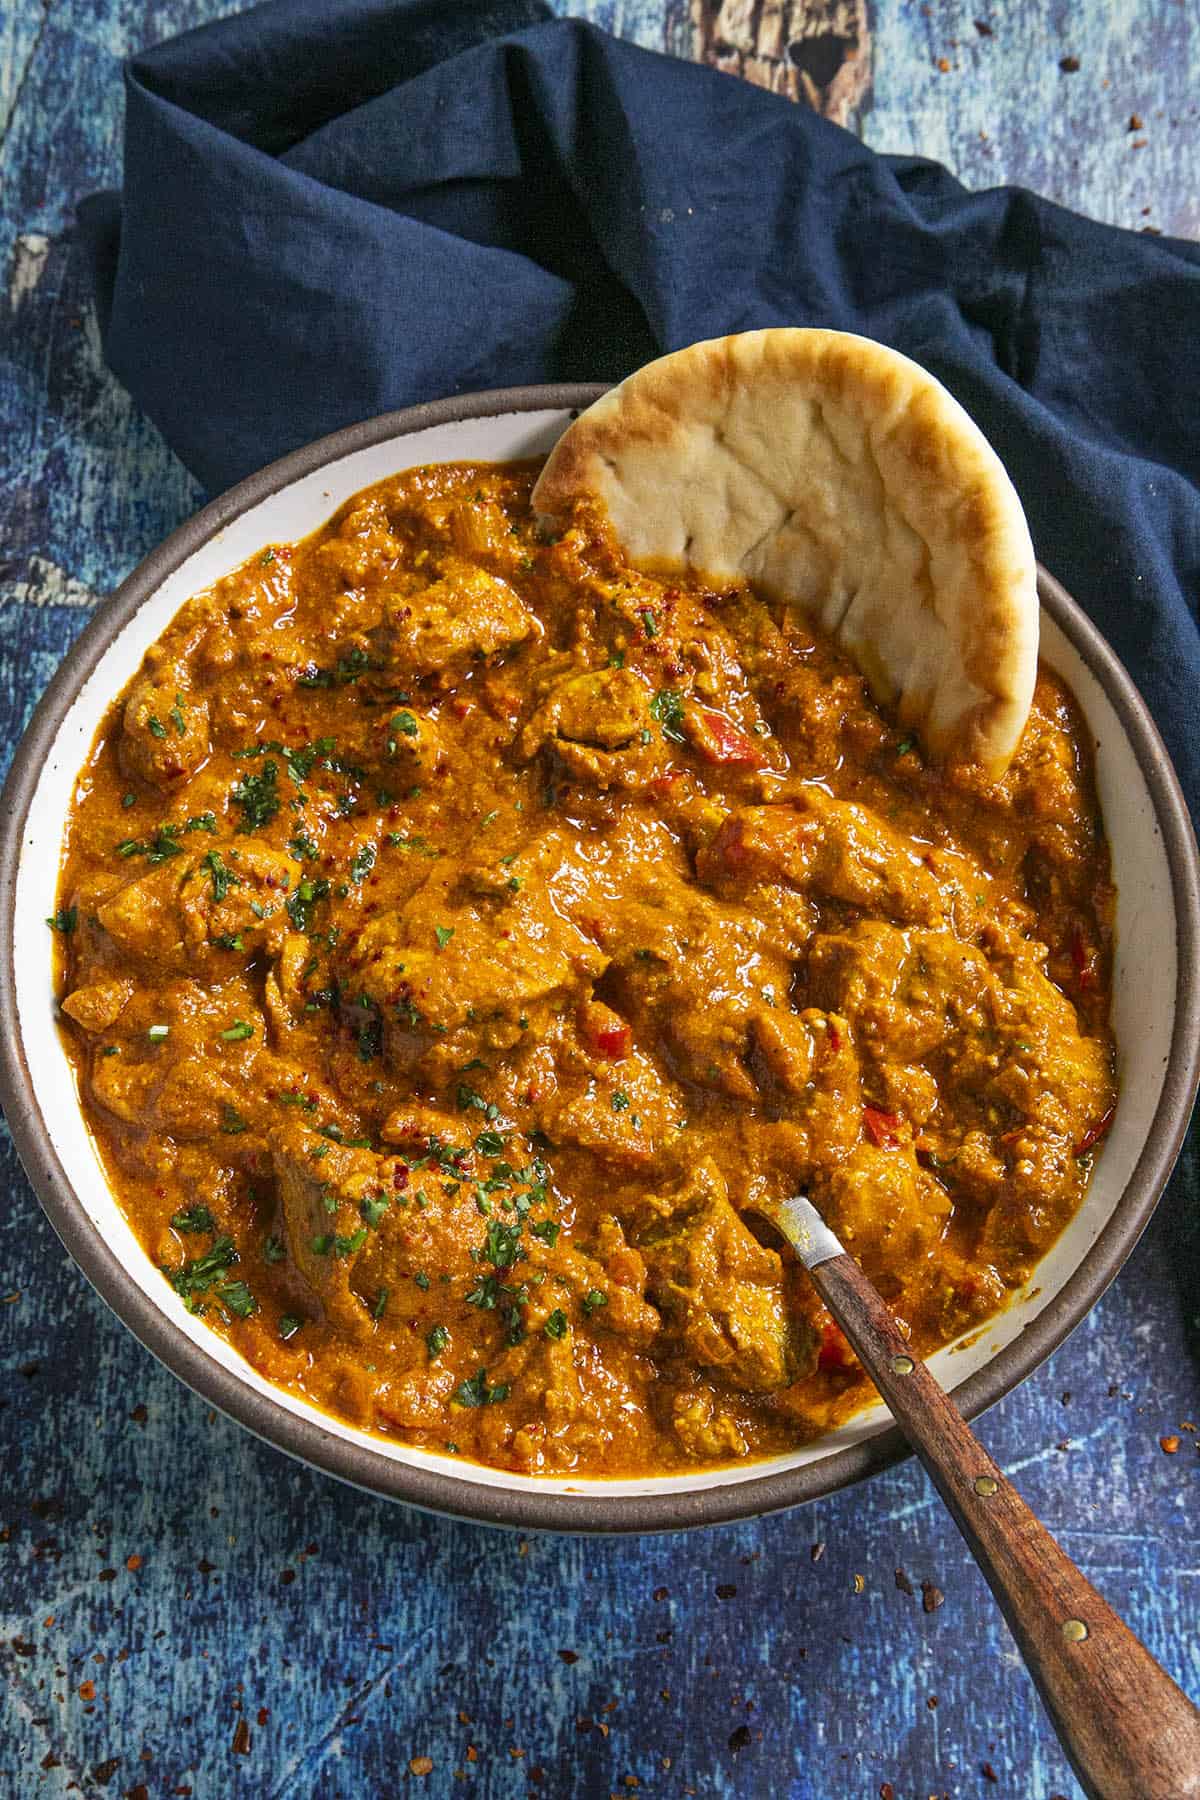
[462, 935]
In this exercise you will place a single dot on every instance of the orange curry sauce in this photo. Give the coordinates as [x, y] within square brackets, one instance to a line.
[461, 933]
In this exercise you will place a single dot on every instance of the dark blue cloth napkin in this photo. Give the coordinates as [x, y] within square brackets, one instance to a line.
[335, 207]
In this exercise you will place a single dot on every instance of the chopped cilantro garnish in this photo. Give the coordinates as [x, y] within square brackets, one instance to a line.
[221, 875]
[381, 1300]
[649, 621]
[303, 846]
[443, 934]
[436, 1340]
[273, 1250]
[667, 708]
[347, 669]
[202, 1272]
[620, 1100]
[556, 1325]
[64, 920]
[502, 1245]
[232, 1122]
[372, 1208]
[156, 727]
[362, 863]
[193, 1218]
[476, 1392]
[258, 798]
[592, 1299]
[489, 1143]
[237, 1297]
[176, 717]
[289, 1325]
[238, 1032]
[547, 1230]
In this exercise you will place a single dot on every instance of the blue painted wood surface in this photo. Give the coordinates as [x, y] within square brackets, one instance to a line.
[182, 1610]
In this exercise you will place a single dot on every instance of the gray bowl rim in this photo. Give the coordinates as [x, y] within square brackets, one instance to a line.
[588, 1511]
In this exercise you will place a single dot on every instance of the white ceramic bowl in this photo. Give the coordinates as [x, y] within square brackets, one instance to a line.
[1156, 1015]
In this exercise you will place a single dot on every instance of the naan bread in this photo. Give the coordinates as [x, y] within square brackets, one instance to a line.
[840, 477]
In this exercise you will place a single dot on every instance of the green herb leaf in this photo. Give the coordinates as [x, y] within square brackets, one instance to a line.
[436, 1341]
[289, 1325]
[476, 1392]
[592, 1299]
[64, 920]
[156, 727]
[667, 708]
[237, 1297]
[238, 1032]
[193, 1218]
[258, 798]
[547, 1230]
[443, 934]
[556, 1325]
[362, 863]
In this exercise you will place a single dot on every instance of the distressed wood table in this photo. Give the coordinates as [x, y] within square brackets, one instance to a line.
[184, 1611]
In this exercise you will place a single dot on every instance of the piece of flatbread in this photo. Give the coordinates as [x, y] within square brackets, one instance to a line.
[840, 477]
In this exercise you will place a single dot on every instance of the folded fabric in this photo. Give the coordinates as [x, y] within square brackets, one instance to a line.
[336, 207]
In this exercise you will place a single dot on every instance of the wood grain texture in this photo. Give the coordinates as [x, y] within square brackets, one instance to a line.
[1128, 1729]
[727, 1664]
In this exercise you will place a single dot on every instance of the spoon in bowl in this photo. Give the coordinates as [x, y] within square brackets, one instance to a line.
[1129, 1731]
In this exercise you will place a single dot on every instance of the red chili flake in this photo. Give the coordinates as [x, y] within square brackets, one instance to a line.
[661, 1593]
[107, 1575]
[264, 1713]
[883, 1128]
[87, 1690]
[1083, 958]
[103, 1772]
[833, 1034]
[286, 1577]
[886, 1791]
[983, 28]
[903, 1583]
[241, 1738]
[1095, 1132]
[568, 1656]
[986, 1769]
[50, 1761]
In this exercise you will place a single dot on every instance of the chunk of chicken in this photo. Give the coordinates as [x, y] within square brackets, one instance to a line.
[463, 617]
[201, 903]
[719, 1290]
[165, 729]
[468, 965]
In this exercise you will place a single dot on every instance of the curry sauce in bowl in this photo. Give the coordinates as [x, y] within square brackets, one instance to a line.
[461, 933]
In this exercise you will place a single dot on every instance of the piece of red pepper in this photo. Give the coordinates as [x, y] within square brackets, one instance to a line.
[726, 744]
[883, 1128]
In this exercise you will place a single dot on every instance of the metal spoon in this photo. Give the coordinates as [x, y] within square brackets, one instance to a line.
[1129, 1731]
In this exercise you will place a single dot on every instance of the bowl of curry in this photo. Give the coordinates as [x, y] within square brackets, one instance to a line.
[456, 936]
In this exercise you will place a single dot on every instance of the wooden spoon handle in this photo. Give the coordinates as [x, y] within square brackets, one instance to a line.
[1130, 1732]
